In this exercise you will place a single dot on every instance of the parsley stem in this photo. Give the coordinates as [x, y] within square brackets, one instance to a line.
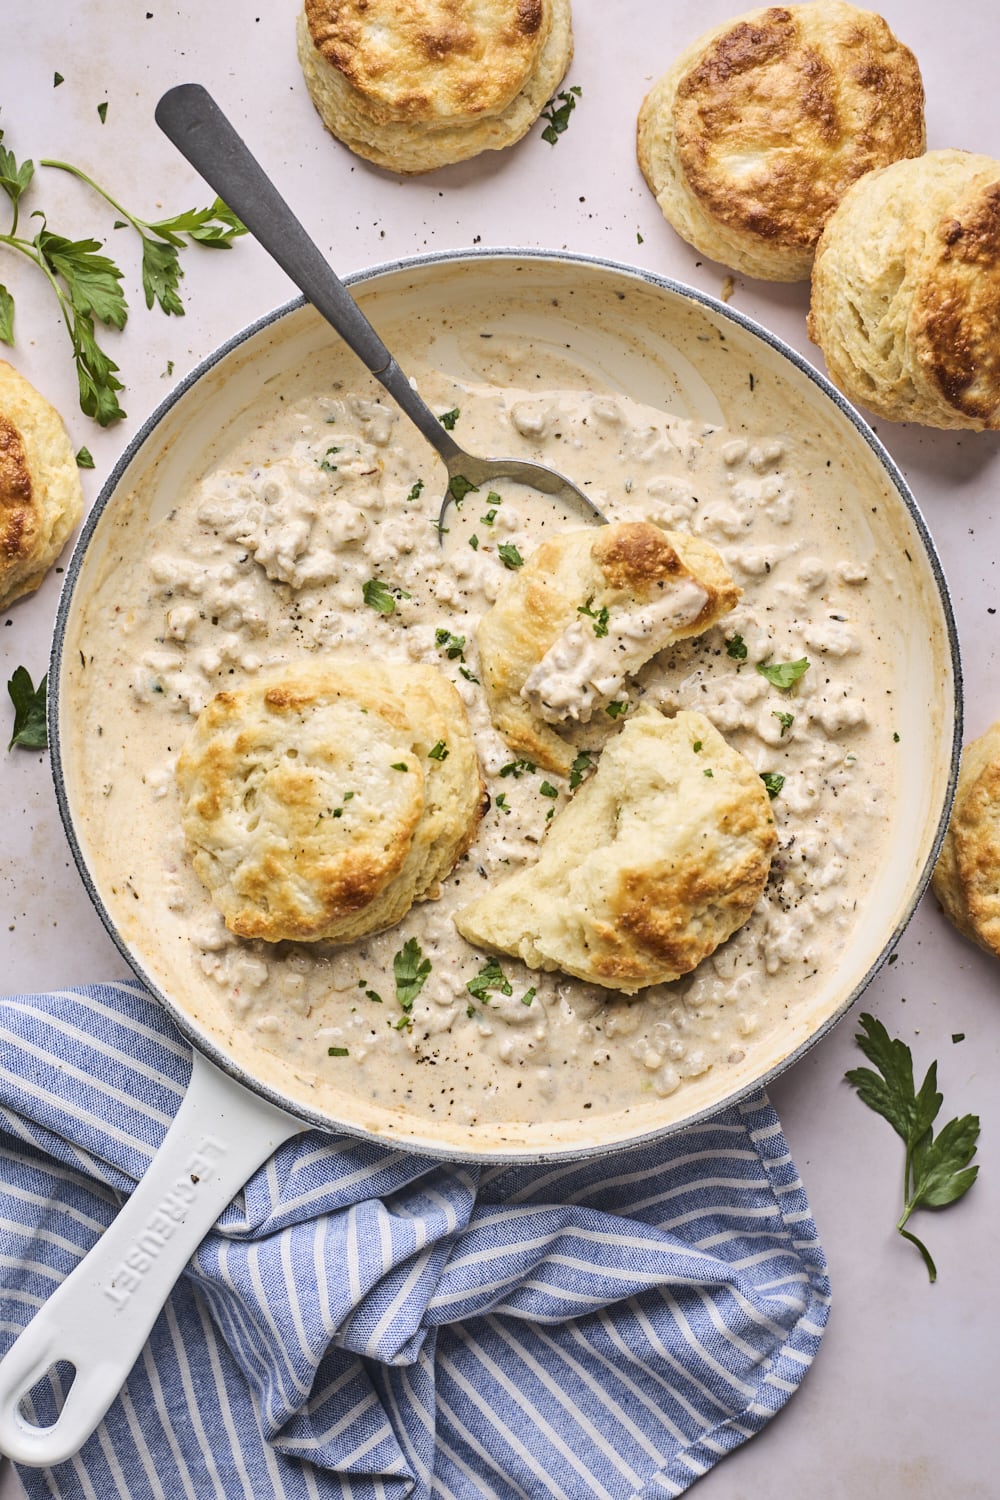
[925, 1253]
[65, 166]
[31, 250]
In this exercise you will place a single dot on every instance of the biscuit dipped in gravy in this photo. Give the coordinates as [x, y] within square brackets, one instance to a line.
[659, 858]
[587, 610]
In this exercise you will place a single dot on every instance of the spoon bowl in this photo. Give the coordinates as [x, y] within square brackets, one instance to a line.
[191, 119]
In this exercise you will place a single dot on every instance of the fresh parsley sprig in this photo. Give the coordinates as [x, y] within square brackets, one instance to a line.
[88, 284]
[936, 1169]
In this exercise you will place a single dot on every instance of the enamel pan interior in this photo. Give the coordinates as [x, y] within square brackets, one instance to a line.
[645, 336]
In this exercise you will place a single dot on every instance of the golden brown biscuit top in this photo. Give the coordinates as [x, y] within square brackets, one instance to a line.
[788, 107]
[17, 517]
[956, 310]
[430, 59]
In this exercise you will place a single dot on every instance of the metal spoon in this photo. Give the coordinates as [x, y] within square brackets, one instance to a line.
[193, 121]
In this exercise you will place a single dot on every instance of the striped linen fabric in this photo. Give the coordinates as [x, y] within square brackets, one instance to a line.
[365, 1322]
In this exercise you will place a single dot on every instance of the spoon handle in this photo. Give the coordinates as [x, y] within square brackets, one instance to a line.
[191, 119]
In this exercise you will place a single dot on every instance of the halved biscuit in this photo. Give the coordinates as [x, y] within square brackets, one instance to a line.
[41, 498]
[418, 86]
[586, 610]
[752, 137]
[906, 292]
[322, 801]
[660, 857]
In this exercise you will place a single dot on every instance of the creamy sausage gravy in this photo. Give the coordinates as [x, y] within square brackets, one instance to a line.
[321, 499]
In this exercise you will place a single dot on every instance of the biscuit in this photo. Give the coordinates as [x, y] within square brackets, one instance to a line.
[753, 136]
[660, 857]
[966, 878]
[41, 498]
[418, 86]
[586, 610]
[906, 292]
[322, 801]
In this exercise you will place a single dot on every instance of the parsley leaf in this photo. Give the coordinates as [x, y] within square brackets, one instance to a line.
[459, 487]
[452, 645]
[84, 458]
[29, 711]
[936, 1169]
[783, 674]
[599, 616]
[416, 489]
[6, 316]
[578, 769]
[517, 768]
[773, 781]
[491, 977]
[438, 752]
[449, 418]
[381, 596]
[785, 720]
[736, 647]
[557, 112]
[410, 969]
[509, 555]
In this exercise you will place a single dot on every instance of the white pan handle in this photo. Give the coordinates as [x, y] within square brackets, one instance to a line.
[99, 1318]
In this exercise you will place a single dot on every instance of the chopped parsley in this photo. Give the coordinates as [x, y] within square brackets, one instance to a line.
[579, 769]
[599, 616]
[102, 111]
[517, 768]
[452, 645]
[736, 647]
[410, 969]
[785, 720]
[449, 418]
[84, 459]
[501, 802]
[381, 596]
[337, 1052]
[509, 555]
[708, 773]
[773, 781]
[469, 676]
[548, 790]
[416, 490]
[696, 746]
[783, 674]
[491, 977]
[528, 996]
[438, 751]
[325, 464]
[615, 710]
[557, 112]
[399, 765]
[459, 487]
[474, 542]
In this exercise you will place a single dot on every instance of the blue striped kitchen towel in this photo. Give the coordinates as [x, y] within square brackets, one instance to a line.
[364, 1322]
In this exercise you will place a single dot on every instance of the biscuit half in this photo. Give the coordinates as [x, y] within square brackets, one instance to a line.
[661, 855]
[41, 498]
[322, 801]
[417, 86]
[966, 878]
[586, 610]
[905, 298]
[753, 136]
